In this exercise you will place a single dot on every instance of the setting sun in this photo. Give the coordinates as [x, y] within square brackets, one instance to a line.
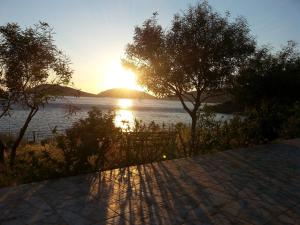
[116, 76]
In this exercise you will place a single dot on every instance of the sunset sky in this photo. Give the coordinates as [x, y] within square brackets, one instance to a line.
[94, 33]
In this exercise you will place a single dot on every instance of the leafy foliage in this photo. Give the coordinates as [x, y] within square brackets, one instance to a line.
[194, 57]
[254, 127]
[29, 62]
[87, 142]
[29, 59]
[94, 143]
[269, 78]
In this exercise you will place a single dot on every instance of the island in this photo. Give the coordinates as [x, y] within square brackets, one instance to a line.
[125, 93]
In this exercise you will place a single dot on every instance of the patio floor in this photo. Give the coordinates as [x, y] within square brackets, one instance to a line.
[258, 185]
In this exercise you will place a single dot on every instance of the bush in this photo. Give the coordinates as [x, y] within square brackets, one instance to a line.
[84, 146]
[95, 143]
[256, 126]
[146, 143]
[291, 126]
[217, 135]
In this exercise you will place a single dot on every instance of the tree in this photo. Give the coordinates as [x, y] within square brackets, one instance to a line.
[267, 88]
[29, 60]
[192, 59]
[269, 78]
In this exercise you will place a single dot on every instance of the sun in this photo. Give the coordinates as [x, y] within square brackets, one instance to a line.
[116, 76]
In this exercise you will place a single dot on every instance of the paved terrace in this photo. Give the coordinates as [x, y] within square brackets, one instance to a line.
[247, 186]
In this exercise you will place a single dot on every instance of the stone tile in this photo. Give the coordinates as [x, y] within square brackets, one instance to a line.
[119, 220]
[73, 218]
[12, 221]
[156, 215]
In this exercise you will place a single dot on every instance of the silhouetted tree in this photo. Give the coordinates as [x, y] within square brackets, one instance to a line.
[269, 78]
[29, 60]
[267, 87]
[192, 59]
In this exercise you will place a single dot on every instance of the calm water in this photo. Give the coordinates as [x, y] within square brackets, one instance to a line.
[54, 115]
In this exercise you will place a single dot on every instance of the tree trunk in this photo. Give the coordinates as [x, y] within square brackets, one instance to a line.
[193, 143]
[5, 110]
[193, 115]
[21, 135]
[2, 148]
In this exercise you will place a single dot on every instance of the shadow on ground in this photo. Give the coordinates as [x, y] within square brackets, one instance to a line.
[258, 185]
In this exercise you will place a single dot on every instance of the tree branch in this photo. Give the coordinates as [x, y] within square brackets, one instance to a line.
[179, 95]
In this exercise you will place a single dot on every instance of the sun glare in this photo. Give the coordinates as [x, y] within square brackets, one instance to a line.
[116, 76]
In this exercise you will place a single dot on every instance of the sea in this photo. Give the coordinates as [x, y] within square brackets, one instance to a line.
[56, 115]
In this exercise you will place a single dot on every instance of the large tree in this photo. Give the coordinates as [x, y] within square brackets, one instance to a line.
[269, 78]
[191, 59]
[29, 62]
[267, 88]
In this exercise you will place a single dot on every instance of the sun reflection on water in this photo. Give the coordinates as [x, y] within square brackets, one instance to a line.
[124, 116]
[124, 103]
[124, 119]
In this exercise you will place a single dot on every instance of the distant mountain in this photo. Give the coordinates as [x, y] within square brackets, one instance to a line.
[125, 93]
[216, 98]
[57, 90]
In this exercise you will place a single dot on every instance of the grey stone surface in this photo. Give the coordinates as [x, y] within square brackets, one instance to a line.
[259, 185]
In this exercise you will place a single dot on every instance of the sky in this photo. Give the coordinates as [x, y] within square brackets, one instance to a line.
[94, 33]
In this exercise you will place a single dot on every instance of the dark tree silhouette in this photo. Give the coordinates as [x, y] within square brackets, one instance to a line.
[29, 60]
[192, 59]
[269, 78]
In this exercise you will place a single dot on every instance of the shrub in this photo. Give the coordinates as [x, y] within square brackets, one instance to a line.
[291, 126]
[256, 126]
[146, 143]
[84, 146]
[95, 143]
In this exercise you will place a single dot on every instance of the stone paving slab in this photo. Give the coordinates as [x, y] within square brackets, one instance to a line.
[258, 185]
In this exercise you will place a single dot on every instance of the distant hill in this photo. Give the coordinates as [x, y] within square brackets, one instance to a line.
[125, 93]
[218, 98]
[57, 90]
